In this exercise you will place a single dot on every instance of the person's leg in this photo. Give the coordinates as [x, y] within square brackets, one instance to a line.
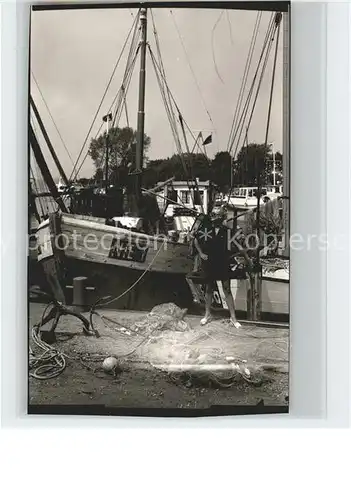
[197, 263]
[208, 303]
[230, 303]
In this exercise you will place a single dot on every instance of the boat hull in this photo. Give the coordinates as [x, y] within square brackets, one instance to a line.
[157, 276]
[141, 270]
[274, 299]
[129, 288]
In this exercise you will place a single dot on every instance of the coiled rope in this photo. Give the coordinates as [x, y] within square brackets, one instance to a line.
[51, 362]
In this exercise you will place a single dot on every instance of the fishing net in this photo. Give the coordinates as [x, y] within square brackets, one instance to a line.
[168, 340]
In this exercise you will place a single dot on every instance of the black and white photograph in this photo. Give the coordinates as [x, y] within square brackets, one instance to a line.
[159, 208]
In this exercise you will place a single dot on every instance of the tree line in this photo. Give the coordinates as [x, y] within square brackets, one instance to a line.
[225, 171]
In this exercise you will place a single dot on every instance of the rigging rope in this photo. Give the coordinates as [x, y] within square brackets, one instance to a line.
[193, 72]
[159, 74]
[134, 49]
[245, 76]
[172, 122]
[170, 93]
[51, 363]
[133, 285]
[244, 111]
[256, 95]
[134, 25]
[125, 106]
[273, 27]
[277, 20]
[264, 53]
[230, 28]
[52, 118]
[212, 45]
[163, 84]
[165, 90]
[118, 110]
[203, 151]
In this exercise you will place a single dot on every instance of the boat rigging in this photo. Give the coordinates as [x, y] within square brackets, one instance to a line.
[123, 265]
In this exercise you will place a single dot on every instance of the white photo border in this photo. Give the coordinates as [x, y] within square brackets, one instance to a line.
[320, 192]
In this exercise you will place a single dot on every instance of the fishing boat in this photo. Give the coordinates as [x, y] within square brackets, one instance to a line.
[122, 253]
[274, 276]
[120, 257]
[115, 260]
[274, 294]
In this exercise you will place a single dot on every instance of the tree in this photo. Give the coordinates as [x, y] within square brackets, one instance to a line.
[121, 153]
[189, 166]
[221, 167]
[252, 159]
[99, 175]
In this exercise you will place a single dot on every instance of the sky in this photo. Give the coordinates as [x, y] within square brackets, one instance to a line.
[73, 54]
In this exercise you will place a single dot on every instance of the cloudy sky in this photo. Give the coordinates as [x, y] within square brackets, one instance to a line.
[73, 54]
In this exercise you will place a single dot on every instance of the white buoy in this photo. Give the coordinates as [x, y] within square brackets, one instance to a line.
[109, 364]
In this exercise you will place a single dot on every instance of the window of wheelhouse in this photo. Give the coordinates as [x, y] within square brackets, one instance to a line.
[172, 194]
[198, 197]
[185, 196]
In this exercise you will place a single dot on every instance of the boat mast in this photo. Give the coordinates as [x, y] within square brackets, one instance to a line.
[44, 169]
[48, 142]
[107, 119]
[141, 106]
[274, 165]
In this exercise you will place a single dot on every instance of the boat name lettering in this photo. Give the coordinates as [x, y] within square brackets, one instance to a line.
[126, 250]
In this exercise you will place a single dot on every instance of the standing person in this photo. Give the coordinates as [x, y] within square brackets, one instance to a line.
[211, 242]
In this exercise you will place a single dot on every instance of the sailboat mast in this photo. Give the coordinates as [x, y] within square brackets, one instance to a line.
[107, 119]
[141, 106]
[48, 142]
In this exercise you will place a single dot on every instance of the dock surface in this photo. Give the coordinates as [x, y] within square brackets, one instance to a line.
[160, 364]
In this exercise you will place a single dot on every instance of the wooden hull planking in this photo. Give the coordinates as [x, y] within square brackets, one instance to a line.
[113, 260]
[160, 269]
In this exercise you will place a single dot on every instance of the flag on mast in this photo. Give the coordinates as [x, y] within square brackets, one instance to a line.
[208, 140]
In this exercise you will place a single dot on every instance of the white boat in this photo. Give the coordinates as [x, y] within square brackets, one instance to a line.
[245, 198]
[274, 300]
[275, 293]
[273, 192]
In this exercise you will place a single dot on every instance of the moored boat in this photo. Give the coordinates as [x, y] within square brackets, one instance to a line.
[245, 198]
[274, 295]
[145, 270]
[118, 255]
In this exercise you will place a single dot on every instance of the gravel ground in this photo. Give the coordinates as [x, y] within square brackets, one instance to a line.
[138, 385]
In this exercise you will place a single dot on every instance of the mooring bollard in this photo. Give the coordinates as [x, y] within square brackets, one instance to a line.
[79, 293]
[80, 301]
